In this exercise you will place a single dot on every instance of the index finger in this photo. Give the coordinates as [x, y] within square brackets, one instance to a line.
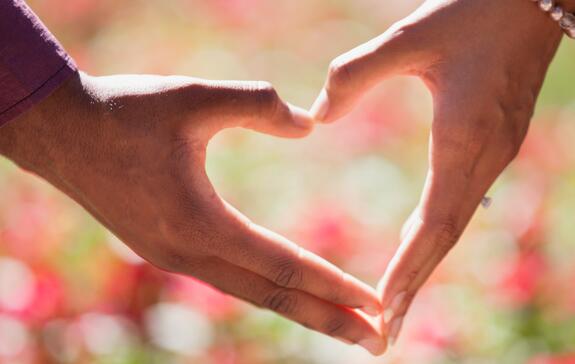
[355, 72]
[290, 266]
[446, 208]
[456, 183]
[310, 311]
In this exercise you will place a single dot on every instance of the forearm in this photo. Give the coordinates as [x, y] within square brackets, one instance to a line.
[36, 77]
[34, 139]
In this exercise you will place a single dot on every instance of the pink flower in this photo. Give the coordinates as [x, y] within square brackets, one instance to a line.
[523, 278]
[49, 298]
[327, 231]
[130, 289]
[30, 294]
[433, 333]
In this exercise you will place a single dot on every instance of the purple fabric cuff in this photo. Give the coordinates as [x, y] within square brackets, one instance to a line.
[32, 62]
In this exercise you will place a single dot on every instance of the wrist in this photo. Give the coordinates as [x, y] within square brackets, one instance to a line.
[561, 12]
[34, 140]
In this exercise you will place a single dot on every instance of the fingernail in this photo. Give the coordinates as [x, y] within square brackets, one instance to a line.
[345, 341]
[394, 330]
[320, 106]
[300, 117]
[394, 306]
[374, 346]
[371, 310]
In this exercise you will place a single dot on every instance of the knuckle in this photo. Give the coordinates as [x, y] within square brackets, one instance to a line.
[512, 150]
[339, 73]
[190, 95]
[183, 249]
[184, 148]
[515, 112]
[186, 229]
[401, 32]
[518, 96]
[446, 233]
[288, 274]
[514, 132]
[412, 274]
[267, 97]
[409, 296]
[170, 259]
[282, 300]
[404, 27]
[401, 36]
[181, 262]
[449, 234]
[265, 90]
[334, 326]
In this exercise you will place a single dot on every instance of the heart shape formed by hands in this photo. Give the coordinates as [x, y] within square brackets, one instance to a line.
[144, 140]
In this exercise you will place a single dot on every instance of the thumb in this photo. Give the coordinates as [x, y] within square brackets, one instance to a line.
[354, 73]
[253, 105]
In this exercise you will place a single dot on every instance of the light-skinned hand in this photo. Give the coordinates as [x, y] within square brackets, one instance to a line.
[484, 62]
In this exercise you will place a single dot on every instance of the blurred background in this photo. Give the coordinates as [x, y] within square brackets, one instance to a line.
[72, 293]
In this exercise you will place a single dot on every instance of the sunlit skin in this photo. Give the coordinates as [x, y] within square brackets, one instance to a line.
[484, 63]
[131, 150]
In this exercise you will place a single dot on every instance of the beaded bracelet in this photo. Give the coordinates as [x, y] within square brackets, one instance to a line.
[566, 20]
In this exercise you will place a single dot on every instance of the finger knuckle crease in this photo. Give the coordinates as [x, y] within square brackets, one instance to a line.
[288, 275]
[409, 296]
[172, 260]
[412, 275]
[334, 326]
[283, 301]
[448, 235]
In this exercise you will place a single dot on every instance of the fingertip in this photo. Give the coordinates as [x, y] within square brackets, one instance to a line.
[320, 107]
[376, 346]
[373, 306]
[301, 117]
[371, 310]
[373, 340]
[370, 303]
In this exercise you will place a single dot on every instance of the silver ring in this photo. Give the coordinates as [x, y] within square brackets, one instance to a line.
[486, 202]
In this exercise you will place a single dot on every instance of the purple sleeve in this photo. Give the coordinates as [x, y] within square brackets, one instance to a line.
[32, 62]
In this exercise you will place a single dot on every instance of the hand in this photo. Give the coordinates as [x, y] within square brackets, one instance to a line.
[484, 63]
[131, 150]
